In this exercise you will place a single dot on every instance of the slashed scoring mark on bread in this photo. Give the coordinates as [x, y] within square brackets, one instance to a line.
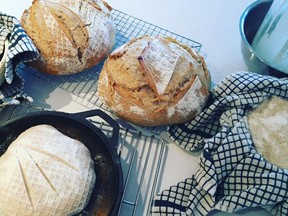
[40, 169]
[53, 174]
[93, 4]
[40, 27]
[184, 104]
[158, 62]
[72, 26]
[25, 181]
[168, 84]
[96, 4]
[53, 157]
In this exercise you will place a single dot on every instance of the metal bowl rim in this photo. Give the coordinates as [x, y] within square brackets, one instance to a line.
[243, 36]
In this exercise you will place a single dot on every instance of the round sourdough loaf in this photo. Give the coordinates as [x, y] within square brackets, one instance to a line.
[268, 125]
[71, 35]
[44, 172]
[152, 81]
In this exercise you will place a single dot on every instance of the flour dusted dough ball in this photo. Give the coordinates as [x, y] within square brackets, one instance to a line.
[269, 130]
[43, 173]
[154, 81]
[71, 35]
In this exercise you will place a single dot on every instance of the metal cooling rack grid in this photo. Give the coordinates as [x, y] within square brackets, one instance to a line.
[83, 86]
[141, 159]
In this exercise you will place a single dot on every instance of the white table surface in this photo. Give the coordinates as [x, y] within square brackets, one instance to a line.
[213, 23]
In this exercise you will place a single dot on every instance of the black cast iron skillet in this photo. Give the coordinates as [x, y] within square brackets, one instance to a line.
[108, 190]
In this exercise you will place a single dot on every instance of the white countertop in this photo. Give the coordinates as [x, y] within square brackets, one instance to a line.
[215, 24]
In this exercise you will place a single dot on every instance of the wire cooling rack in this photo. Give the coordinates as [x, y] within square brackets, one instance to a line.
[83, 85]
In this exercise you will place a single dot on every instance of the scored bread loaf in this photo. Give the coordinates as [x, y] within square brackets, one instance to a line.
[45, 172]
[268, 125]
[71, 35]
[152, 81]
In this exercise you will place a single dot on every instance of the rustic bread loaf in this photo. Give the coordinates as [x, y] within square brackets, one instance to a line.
[152, 81]
[71, 35]
[268, 125]
[44, 172]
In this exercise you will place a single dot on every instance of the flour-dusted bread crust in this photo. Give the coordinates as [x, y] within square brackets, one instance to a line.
[153, 81]
[43, 173]
[268, 125]
[71, 35]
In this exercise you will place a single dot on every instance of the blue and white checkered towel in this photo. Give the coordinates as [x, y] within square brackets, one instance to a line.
[232, 175]
[20, 50]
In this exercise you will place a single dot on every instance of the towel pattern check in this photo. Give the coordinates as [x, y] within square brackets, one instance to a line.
[231, 174]
[20, 50]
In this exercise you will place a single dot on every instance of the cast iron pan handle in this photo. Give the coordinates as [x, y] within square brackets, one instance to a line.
[97, 112]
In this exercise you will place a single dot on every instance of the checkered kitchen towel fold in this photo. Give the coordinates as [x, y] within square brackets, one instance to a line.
[20, 50]
[231, 175]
